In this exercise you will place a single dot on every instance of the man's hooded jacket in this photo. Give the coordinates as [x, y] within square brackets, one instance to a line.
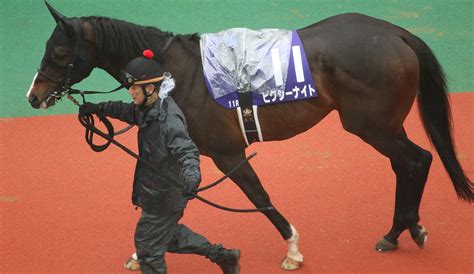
[163, 140]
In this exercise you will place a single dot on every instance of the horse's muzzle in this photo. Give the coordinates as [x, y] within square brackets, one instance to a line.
[36, 103]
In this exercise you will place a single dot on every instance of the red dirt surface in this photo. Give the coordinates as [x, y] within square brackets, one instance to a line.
[65, 208]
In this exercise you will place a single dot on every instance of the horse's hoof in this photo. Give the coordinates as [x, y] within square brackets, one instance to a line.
[384, 245]
[132, 263]
[290, 264]
[421, 238]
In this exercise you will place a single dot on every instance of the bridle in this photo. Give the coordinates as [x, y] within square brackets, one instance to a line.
[79, 51]
[79, 54]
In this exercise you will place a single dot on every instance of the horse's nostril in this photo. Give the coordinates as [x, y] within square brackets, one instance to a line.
[33, 100]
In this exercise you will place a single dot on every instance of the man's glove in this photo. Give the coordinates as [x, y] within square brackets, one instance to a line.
[190, 188]
[89, 108]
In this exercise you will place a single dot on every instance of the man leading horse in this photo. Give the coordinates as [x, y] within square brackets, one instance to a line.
[162, 192]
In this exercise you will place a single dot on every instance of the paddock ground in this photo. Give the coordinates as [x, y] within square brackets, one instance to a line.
[67, 209]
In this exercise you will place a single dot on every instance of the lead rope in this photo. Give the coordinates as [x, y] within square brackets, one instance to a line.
[88, 122]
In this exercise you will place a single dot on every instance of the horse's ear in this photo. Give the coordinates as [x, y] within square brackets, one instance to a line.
[68, 27]
[58, 17]
[61, 20]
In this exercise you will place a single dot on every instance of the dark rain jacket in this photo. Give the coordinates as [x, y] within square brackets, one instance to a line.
[162, 139]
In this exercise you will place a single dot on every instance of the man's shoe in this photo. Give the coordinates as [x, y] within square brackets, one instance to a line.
[229, 261]
[132, 264]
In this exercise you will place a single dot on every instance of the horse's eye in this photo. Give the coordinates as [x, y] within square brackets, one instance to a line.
[60, 53]
[59, 58]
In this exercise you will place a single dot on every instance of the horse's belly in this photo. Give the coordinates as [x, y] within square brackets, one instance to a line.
[283, 121]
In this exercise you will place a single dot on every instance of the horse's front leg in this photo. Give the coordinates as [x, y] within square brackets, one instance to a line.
[247, 180]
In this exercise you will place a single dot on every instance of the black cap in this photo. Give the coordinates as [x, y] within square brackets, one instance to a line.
[142, 68]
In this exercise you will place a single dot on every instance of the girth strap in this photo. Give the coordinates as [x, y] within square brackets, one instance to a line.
[248, 119]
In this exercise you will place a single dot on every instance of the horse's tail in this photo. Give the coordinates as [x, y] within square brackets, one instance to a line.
[435, 113]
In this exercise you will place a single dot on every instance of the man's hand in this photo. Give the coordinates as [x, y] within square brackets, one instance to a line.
[190, 188]
[89, 108]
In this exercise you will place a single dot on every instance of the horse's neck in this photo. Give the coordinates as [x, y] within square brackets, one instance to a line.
[111, 64]
[178, 60]
[112, 59]
[101, 59]
[181, 68]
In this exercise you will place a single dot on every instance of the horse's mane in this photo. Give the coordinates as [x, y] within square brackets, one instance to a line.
[128, 39]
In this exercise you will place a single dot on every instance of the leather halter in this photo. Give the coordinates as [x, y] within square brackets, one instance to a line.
[66, 82]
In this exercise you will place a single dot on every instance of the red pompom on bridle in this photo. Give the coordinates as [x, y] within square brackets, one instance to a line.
[148, 54]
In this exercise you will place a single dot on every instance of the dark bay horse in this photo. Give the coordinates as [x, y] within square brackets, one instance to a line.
[368, 70]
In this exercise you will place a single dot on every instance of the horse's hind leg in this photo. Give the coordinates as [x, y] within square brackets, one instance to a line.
[412, 173]
[247, 180]
[411, 166]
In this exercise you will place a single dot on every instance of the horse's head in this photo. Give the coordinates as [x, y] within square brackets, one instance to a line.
[64, 62]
